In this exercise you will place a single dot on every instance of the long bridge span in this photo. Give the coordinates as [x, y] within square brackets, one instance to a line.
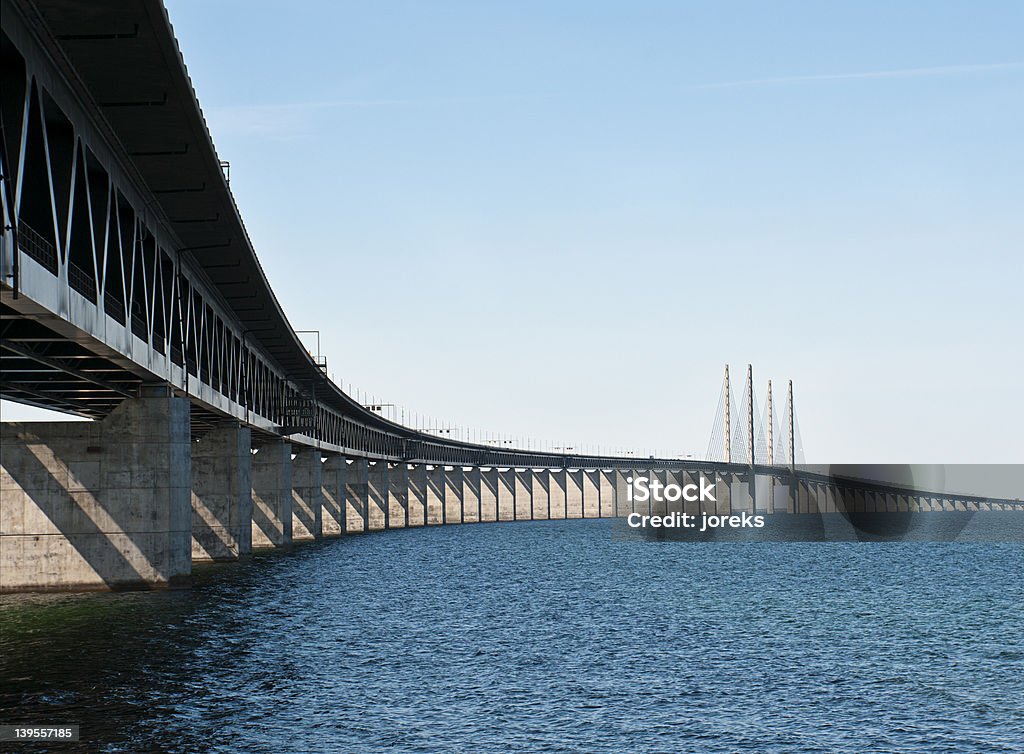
[132, 295]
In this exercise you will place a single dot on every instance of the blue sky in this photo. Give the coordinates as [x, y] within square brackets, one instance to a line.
[562, 219]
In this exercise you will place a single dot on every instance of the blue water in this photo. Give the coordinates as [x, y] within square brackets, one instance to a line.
[545, 637]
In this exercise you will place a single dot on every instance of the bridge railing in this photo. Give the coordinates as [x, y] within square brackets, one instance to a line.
[36, 246]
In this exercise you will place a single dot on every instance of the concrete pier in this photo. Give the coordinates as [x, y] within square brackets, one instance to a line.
[98, 505]
[435, 496]
[489, 494]
[398, 495]
[377, 488]
[606, 491]
[222, 493]
[307, 495]
[272, 495]
[659, 506]
[506, 494]
[591, 494]
[742, 497]
[723, 495]
[417, 496]
[574, 493]
[693, 507]
[453, 495]
[556, 493]
[471, 494]
[522, 481]
[624, 505]
[540, 500]
[333, 515]
[357, 496]
[674, 478]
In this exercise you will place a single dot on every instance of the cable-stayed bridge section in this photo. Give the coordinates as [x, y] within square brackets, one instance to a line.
[131, 295]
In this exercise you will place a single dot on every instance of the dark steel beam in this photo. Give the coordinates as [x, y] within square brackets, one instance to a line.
[28, 353]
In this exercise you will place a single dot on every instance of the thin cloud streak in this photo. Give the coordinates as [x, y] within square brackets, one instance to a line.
[898, 73]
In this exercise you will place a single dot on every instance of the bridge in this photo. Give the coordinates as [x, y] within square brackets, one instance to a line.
[132, 295]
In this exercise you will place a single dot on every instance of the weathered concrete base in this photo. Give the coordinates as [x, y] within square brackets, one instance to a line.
[334, 474]
[272, 495]
[98, 505]
[379, 514]
[606, 491]
[506, 494]
[357, 501]
[471, 494]
[222, 494]
[398, 495]
[574, 493]
[307, 495]
[453, 494]
[556, 493]
[522, 484]
[489, 494]
[417, 495]
[540, 498]
[435, 496]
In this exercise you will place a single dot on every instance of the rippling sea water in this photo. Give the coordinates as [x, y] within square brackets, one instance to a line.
[544, 636]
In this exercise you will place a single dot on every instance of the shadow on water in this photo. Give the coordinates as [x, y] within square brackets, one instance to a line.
[119, 664]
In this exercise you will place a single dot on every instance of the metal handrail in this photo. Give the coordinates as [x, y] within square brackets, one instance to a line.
[37, 246]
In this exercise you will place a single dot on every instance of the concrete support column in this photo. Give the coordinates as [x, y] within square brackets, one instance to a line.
[658, 507]
[489, 494]
[453, 495]
[723, 494]
[357, 496]
[556, 493]
[766, 494]
[830, 498]
[222, 493]
[506, 494]
[98, 505]
[674, 477]
[471, 505]
[622, 501]
[398, 495]
[435, 496]
[574, 493]
[378, 514]
[590, 493]
[816, 504]
[334, 475]
[799, 496]
[523, 493]
[693, 507]
[540, 500]
[272, 495]
[605, 482]
[743, 493]
[778, 495]
[307, 494]
[416, 496]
